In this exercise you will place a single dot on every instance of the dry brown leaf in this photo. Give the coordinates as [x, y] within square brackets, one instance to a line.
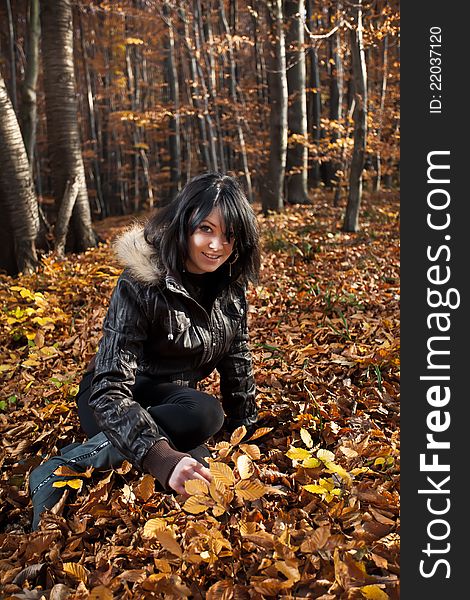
[196, 505]
[260, 432]
[101, 592]
[154, 525]
[316, 540]
[168, 540]
[245, 466]
[218, 591]
[145, 488]
[251, 489]
[252, 450]
[237, 436]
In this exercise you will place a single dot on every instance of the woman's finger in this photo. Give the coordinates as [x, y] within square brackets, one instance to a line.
[204, 471]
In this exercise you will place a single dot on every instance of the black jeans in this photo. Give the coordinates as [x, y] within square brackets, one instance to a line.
[188, 417]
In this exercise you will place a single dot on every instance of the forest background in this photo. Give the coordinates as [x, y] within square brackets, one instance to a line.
[106, 110]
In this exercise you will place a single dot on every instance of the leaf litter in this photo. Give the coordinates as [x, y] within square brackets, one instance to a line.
[307, 507]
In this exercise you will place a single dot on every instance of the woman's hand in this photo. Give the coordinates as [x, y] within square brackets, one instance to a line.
[187, 468]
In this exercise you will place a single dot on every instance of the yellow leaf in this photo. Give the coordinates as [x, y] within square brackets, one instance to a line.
[134, 41]
[77, 571]
[75, 484]
[314, 488]
[29, 362]
[154, 525]
[359, 470]
[334, 468]
[306, 438]
[65, 471]
[250, 489]
[196, 486]
[245, 466]
[311, 463]
[238, 435]
[218, 510]
[373, 592]
[298, 453]
[24, 293]
[194, 505]
[222, 473]
[325, 455]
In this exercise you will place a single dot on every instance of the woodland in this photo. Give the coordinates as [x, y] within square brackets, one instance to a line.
[106, 110]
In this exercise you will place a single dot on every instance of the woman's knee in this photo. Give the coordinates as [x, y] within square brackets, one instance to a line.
[211, 412]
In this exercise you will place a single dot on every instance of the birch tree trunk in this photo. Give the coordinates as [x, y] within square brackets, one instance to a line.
[297, 151]
[273, 184]
[351, 218]
[61, 112]
[17, 196]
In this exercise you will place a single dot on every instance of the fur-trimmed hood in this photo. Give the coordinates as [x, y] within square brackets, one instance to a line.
[139, 257]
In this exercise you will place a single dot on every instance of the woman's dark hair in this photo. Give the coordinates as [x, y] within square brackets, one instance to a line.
[168, 230]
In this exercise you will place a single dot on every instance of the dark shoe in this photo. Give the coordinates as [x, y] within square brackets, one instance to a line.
[97, 452]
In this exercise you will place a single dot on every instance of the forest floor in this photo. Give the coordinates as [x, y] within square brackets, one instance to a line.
[308, 507]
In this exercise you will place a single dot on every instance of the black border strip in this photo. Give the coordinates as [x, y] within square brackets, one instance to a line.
[434, 236]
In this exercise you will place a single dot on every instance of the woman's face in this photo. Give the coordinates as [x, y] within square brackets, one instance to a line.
[208, 246]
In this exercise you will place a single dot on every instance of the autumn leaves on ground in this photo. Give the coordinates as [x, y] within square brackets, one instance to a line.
[305, 508]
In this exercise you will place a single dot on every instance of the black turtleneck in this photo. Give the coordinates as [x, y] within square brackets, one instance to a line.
[202, 287]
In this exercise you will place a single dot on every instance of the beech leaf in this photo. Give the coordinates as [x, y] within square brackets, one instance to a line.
[222, 473]
[237, 436]
[245, 466]
[76, 570]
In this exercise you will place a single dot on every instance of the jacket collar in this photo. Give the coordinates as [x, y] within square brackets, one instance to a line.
[139, 257]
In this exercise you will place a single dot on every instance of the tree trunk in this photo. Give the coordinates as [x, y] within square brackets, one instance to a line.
[195, 92]
[336, 99]
[95, 174]
[273, 184]
[351, 218]
[28, 114]
[211, 132]
[235, 100]
[17, 196]
[297, 150]
[383, 90]
[61, 111]
[174, 141]
[11, 40]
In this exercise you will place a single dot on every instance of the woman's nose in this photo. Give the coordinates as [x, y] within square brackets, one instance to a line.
[216, 243]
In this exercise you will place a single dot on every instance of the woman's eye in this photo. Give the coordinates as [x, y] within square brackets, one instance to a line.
[205, 228]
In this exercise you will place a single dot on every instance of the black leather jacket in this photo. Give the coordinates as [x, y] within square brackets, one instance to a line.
[154, 327]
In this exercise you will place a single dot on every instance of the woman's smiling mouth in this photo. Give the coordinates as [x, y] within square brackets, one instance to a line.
[212, 256]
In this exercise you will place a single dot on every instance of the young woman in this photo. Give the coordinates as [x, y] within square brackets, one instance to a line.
[178, 312]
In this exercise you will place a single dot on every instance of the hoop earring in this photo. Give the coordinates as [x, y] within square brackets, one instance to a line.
[232, 263]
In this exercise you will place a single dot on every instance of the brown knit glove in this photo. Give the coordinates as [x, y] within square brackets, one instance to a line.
[160, 461]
